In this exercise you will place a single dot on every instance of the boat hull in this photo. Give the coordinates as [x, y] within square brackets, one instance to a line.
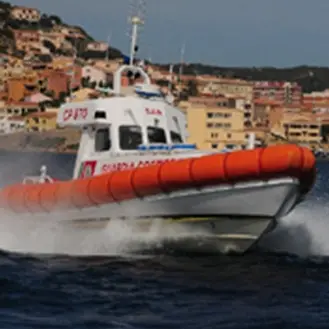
[229, 218]
[198, 234]
[273, 198]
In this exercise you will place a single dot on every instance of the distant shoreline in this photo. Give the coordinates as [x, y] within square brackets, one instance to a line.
[31, 150]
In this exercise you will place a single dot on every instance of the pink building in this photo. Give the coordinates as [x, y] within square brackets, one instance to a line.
[282, 92]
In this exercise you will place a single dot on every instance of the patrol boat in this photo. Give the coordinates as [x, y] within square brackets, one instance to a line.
[134, 163]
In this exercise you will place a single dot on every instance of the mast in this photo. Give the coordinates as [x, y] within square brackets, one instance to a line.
[109, 37]
[182, 53]
[133, 70]
[72, 73]
[171, 70]
[136, 22]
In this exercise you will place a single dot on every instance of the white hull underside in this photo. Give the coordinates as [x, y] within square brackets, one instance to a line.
[225, 218]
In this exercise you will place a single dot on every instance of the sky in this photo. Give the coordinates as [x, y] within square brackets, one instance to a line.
[278, 33]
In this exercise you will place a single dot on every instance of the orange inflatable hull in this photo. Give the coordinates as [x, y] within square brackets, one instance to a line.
[241, 166]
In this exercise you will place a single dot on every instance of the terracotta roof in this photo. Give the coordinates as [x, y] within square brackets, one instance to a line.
[265, 101]
[21, 104]
[16, 118]
[46, 115]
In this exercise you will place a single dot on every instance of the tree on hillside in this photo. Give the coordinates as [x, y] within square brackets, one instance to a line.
[48, 44]
[55, 19]
[45, 22]
[192, 88]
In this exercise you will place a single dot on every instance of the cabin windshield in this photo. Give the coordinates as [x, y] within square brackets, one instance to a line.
[130, 137]
[156, 135]
[175, 138]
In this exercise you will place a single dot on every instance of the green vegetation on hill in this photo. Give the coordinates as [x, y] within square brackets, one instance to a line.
[311, 78]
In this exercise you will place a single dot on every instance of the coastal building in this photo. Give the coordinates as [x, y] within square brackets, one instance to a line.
[108, 66]
[25, 14]
[281, 92]
[19, 88]
[56, 38]
[211, 126]
[213, 86]
[25, 39]
[230, 102]
[97, 46]
[61, 62]
[41, 121]
[57, 82]
[262, 109]
[12, 124]
[94, 74]
[70, 31]
[316, 99]
[10, 109]
[299, 127]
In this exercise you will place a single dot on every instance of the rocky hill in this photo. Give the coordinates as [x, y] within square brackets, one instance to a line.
[48, 24]
[309, 77]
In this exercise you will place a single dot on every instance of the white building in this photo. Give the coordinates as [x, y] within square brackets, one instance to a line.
[12, 124]
[94, 74]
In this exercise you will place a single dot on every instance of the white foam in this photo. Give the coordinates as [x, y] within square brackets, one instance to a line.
[304, 232]
[50, 236]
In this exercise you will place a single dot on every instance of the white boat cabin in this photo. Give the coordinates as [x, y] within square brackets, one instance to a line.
[122, 132]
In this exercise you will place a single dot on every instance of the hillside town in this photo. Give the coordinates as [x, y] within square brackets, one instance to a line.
[45, 62]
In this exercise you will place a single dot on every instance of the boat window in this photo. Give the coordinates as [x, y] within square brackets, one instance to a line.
[102, 139]
[175, 138]
[156, 135]
[100, 115]
[130, 137]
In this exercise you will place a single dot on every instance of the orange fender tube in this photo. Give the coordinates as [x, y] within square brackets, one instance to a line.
[145, 181]
[99, 189]
[241, 166]
[282, 159]
[48, 197]
[64, 195]
[175, 175]
[121, 186]
[32, 198]
[16, 198]
[209, 170]
[80, 192]
[258, 164]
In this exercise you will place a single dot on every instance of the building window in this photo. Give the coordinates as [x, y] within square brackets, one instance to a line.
[214, 146]
[228, 135]
[130, 137]
[102, 140]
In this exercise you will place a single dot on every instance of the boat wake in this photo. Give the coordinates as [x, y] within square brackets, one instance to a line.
[304, 232]
[295, 234]
[113, 238]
